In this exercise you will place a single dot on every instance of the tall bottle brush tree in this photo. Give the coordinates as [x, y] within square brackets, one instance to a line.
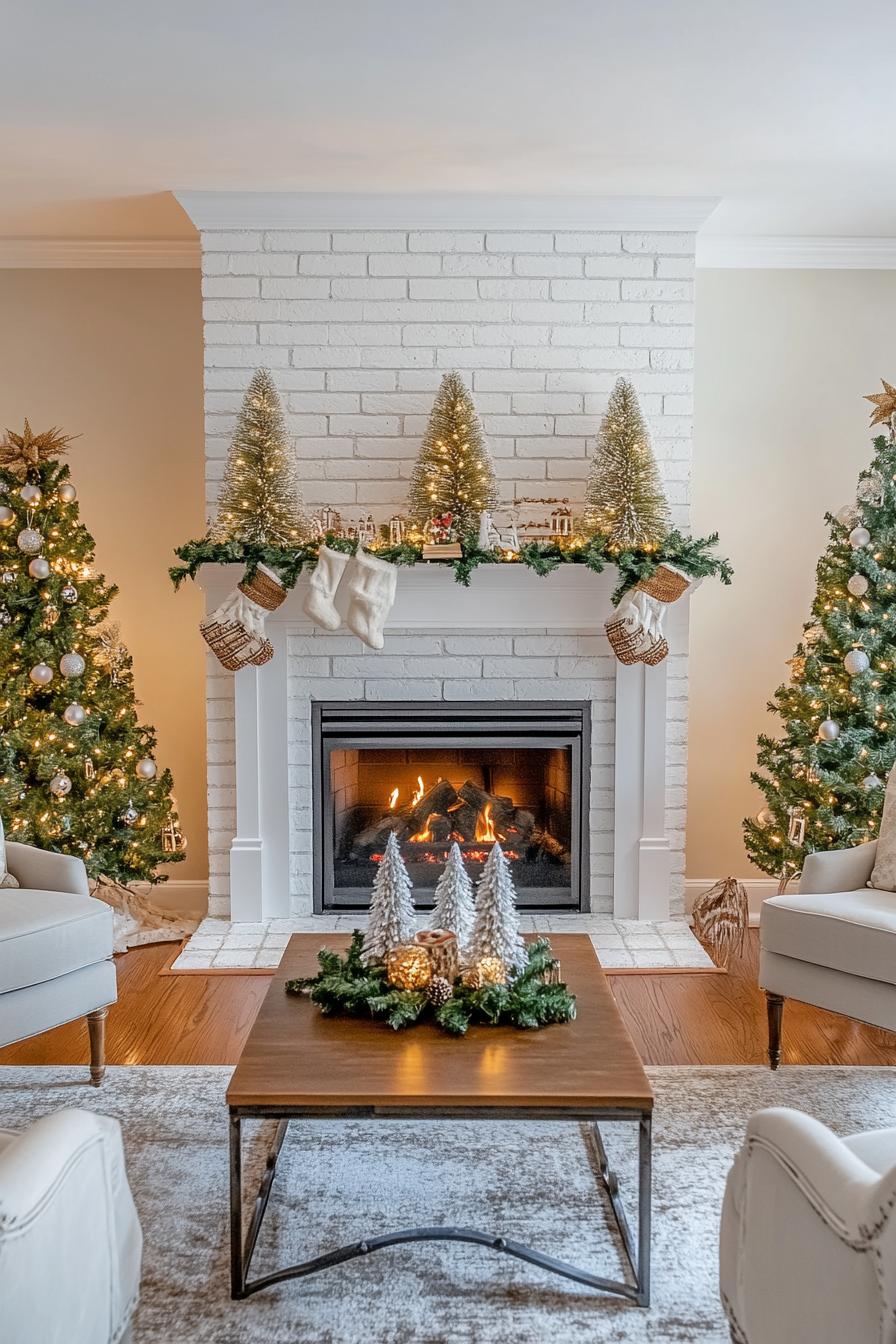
[453, 473]
[624, 499]
[77, 773]
[823, 778]
[260, 499]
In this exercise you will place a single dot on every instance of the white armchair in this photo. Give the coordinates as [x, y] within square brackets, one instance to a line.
[70, 1239]
[55, 950]
[808, 1243]
[832, 943]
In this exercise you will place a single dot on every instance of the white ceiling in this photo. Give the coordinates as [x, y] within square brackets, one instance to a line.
[786, 109]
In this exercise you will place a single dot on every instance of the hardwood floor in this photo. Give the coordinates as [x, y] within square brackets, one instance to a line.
[674, 1019]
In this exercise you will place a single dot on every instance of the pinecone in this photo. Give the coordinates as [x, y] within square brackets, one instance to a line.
[440, 990]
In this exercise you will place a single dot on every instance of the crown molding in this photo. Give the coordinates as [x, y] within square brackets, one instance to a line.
[794, 253]
[99, 253]
[437, 210]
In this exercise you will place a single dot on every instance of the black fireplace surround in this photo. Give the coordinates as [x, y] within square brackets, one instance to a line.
[437, 773]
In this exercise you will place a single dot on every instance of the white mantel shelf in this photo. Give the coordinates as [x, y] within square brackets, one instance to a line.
[500, 598]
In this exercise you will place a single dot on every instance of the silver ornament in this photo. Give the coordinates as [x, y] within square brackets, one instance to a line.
[859, 537]
[41, 674]
[7, 515]
[69, 594]
[7, 576]
[30, 541]
[871, 489]
[71, 665]
[31, 494]
[856, 662]
[67, 492]
[857, 585]
[146, 768]
[848, 516]
[60, 785]
[814, 635]
[74, 714]
[39, 568]
[828, 730]
[766, 818]
[872, 782]
[5, 617]
[130, 815]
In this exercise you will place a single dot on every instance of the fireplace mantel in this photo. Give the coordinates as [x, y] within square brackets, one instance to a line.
[506, 599]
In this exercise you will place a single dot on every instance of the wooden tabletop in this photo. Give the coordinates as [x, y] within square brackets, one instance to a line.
[296, 1057]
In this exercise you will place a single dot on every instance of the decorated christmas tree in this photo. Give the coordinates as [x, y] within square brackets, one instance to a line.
[392, 920]
[453, 908]
[496, 926]
[624, 498]
[260, 499]
[77, 773]
[453, 473]
[823, 778]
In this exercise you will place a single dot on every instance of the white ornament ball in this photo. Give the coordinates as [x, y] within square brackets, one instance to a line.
[60, 785]
[871, 489]
[146, 768]
[69, 594]
[859, 537]
[765, 818]
[857, 585]
[30, 493]
[130, 815]
[871, 782]
[71, 664]
[41, 674]
[74, 714]
[856, 662]
[29, 541]
[6, 515]
[67, 492]
[847, 516]
[828, 730]
[39, 568]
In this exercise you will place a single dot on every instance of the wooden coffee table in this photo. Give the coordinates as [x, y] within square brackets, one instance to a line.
[298, 1064]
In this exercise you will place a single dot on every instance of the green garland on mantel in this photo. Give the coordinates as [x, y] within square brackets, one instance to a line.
[345, 986]
[693, 555]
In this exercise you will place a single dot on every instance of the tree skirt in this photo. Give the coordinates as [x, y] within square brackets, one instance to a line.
[339, 1179]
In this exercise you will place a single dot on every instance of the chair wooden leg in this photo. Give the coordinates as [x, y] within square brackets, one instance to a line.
[775, 1005]
[96, 1030]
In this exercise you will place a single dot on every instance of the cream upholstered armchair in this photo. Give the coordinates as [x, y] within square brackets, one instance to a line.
[55, 950]
[808, 1243]
[832, 943]
[70, 1239]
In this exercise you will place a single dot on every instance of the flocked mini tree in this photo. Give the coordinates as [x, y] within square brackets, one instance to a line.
[260, 500]
[453, 904]
[624, 499]
[391, 920]
[453, 473]
[77, 773]
[496, 925]
[823, 778]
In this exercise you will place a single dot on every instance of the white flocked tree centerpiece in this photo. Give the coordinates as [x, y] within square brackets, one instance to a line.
[392, 920]
[496, 924]
[453, 909]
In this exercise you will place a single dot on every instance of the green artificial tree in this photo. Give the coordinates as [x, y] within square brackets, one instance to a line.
[77, 773]
[260, 499]
[624, 499]
[823, 778]
[453, 473]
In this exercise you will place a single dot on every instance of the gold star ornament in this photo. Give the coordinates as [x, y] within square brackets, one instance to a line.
[20, 453]
[884, 406]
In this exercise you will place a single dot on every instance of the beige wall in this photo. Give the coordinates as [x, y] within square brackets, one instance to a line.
[782, 361]
[116, 356]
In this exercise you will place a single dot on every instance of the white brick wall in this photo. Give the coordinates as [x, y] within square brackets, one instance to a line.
[358, 328]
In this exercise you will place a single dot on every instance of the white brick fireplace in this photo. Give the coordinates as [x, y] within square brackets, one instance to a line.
[358, 306]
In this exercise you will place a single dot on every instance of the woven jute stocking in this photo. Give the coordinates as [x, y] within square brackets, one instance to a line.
[235, 631]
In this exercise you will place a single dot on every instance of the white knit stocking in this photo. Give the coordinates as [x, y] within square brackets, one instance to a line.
[371, 587]
[322, 589]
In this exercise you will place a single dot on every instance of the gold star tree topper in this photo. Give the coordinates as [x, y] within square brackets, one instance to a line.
[20, 452]
[884, 406]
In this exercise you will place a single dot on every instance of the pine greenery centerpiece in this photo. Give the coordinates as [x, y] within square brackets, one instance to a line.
[77, 773]
[260, 500]
[453, 473]
[624, 499]
[823, 778]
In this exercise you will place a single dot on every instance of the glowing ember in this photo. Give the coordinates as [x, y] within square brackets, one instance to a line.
[393, 799]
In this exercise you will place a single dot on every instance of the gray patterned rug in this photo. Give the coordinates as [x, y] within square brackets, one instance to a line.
[339, 1179]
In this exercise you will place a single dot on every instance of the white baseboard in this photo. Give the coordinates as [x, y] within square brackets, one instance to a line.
[184, 895]
[758, 889]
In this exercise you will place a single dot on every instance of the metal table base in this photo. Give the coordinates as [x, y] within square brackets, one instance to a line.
[637, 1252]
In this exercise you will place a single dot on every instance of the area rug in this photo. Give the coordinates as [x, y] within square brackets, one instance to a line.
[621, 944]
[339, 1179]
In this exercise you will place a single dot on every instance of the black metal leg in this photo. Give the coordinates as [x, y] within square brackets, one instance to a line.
[645, 1181]
[237, 1270]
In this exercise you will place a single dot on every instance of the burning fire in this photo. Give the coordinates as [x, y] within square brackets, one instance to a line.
[423, 837]
[485, 827]
[393, 799]
[418, 792]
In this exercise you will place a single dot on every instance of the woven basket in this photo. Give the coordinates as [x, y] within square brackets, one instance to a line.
[233, 646]
[264, 588]
[624, 640]
[656, 653]
[666, 584]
